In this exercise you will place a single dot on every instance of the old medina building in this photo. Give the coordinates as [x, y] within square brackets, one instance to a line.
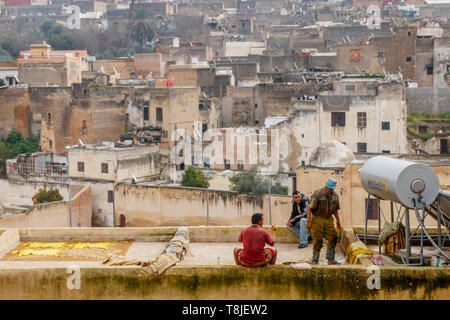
[43, 67]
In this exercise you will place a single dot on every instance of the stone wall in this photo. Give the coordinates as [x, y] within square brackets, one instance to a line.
[158, 206]
[55, 214]
[15, 111]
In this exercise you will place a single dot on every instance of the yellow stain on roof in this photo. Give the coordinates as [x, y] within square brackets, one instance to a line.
[55, 248]
[37, 252]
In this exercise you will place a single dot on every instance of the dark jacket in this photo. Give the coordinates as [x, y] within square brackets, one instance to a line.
[295, 214]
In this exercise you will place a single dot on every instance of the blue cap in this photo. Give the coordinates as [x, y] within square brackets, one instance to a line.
[331, 183]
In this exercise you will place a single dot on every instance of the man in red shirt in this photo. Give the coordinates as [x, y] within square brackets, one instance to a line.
[254, 238]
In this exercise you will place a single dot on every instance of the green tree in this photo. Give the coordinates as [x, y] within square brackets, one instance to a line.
[193, 177]
[47, 26]
[142, 27]
[13, 145]
[251, 182]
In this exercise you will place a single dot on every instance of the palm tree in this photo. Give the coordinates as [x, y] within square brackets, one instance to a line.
[142, 27]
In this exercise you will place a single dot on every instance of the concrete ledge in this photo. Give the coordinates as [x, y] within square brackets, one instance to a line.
[225, 234]
[227, 282]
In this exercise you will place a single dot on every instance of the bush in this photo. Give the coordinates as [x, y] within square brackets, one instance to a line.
[193, 177]
[252, 182]
[44, 196]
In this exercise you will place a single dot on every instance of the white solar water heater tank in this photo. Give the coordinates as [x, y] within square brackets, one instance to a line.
[399, 180]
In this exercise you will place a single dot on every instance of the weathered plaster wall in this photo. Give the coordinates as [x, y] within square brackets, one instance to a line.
[159, 206]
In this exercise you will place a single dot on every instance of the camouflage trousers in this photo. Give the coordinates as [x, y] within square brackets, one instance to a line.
[323, 228]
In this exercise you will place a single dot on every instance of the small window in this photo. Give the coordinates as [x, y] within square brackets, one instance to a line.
[372, 212]
[409, 33]
[204, 127]
[362, 120]
[49, 118]
[146, 114]
[84, 129]
[80, 166]
[50, 142]
[362, 147]
[240, 165]
[104, 168]
[380, 54]
[429, 70]
[227, 164]
[338, 119]
[110, 196]
[408, 59]
[219, 138]
[256, 105]
[350, 87]
[423, 129]
[159, 114]
[256, 121]
[386, 151]
[385, 125]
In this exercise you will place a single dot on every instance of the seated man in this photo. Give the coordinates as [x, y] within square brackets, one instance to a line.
[297, 221]
[254, 238]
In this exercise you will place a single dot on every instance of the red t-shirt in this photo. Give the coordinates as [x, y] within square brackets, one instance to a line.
[254, 239]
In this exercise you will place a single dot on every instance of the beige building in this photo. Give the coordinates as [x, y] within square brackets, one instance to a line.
[43, 67]
[365, 115]
[103, 168]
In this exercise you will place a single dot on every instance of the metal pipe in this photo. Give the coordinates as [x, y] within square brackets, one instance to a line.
[207, 207]
[379, 227]
[367, 213]
[408, 243]
[270, 204]
[439, 220]
[392, 212]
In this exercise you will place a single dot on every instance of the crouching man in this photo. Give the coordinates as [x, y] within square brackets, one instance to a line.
[254, 239]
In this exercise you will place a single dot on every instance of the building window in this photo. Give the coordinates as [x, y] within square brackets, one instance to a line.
[104, 168]
[49, 118]
[84, 129]
[219, 138]
[362, 120]
[372, 213]
[256, 105]
[423, 129]
[385, 125]
[227, 164]
[380, 54]
[80, 166]
[444, 146]
[338, 119]
[350, 87]
[146, 114]
[362, 147]
[204, 127]
[408, 59]
[386, 151]
[429, 70]
[50, 142]
[240, 165]
[110, 196]
[159, 114]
